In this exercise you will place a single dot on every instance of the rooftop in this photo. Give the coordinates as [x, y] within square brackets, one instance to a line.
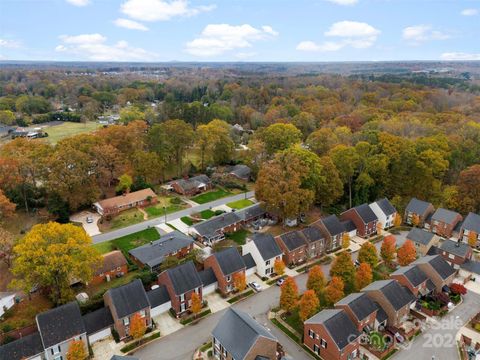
[126, 199]
[266, 245]
[184, 278]
[438, 263]
[445, 215]
[210, 228]
[98, 320]
[457, 248]
[413, 273]
[229, 260]
[366, 213]
[397, 295]
[110, 261]
[360, 304]
[129, 298]
[333, 225]
[22, 348]
[420, 236]
[472, 223]
[386, 207]
[417, 206]
[158, 296]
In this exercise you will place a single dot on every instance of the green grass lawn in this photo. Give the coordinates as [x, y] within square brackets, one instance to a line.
[294, 321]
[158, 210]
[125, 218]
[67, 129]
[239, 236]
[210, 196]
[128, 242]
[187, 220]
[207, 214]
[98, 290]
[240, 204]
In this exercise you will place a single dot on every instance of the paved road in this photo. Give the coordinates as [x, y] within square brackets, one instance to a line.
[149, 223]
[438, 342]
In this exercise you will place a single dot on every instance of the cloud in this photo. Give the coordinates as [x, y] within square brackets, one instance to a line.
[420, 33]
[10, 44]
[216, 39]
[94, 47]
[79, 2]
[469, 12]
[344, 2]
[459, 56]
[161, 10]
[355, 34]
[130, 24]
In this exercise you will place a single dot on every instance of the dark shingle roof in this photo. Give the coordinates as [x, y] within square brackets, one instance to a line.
[439, 265]
[349, 225]
[129, 298]
[184, 278]
[22, 348]
[381, 314]
[471, 266]
[154, 253]
[397, 295]
[460, 249]
[266, 245]
[230, 261]
[420, 236]
[472, 223]
[386, 206]
[238, 332]
[158, 296]
[111, 261]
[212, 226]
[366, 213]
[312, 234]
[417, 206]
[193, 182]
[360, 304]
[434, 250]
[60, 324]
[98, 320]
[413, 273]
[207, 276]
[445, 215]
[251, 212]
[342, 330]
[293, 240]
[333, 225]
[241, 171]
[248, 260]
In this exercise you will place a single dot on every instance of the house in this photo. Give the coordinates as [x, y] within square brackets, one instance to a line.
[360, 309]
[414, 279]
[455, 252]
[60, 326]
[393, 298]
[350, 228]
[384, 211]
[240, 171]
[332, 335]
[113, 265]
[29, 347]
[422, 239]
[444, 221]
[192, 186]
[181, 282]
[315, 241]
[364, 219]
[209, 281]
[159, 300]
[250, 265]
[238, 336]
[7, 301]
[251, 213]
[125, 302]
[437, 270]
[418, 208]
[153, 254]
[265, 251]
[226, 264]
[333, 231]
[114, 205]
[293, 246]
[214, 229]
[471, 224]
[98, 324]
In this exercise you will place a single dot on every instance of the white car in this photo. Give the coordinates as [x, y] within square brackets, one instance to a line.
[89, 219]
[255, 286]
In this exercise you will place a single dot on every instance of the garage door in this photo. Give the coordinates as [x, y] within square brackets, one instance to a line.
[251, 271]
[209, 289]
[102, 334]
[160, 309]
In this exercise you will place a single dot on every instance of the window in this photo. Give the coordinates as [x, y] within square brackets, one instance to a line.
[228, 278]
[182, 297]
[311, 334]
[316, 349]
[267, 262]
[126, 321]
[142, 313]
[323, 343]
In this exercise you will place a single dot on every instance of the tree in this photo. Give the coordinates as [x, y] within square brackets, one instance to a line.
[279, 137]
[379, 228]
[239, 281]
[137, 326]
[469, 189]
[458, 289]
[7, 242]
[322, 140]
[472, 239]
[214, 142]
[279, 267]
[289, 295]
[345, 240]
[308, 305]
[334, 291]
[368, 254]
[196, 306]
[398, 220]
[316, 280]
[130, 114]
[330, 191]
[387, 250]
[76, 350]
[347, 161]
[343, 268]
[406, 254]
[415, 220]
[7, 117]
[124, 183]
[363, 276]
[7, 208]
[52, 254]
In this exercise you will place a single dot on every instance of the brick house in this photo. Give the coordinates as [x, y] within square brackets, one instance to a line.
[214, 229]
[238, 336]
[364, 219]
[333, 231]
[360, 309]
[126, 301]
[226, 264]
[414, 279]
[393, 298]
[455, 253]
[114, 205]
[113, 265]
[419, 208]
[444, 221]
[437, 270]
[181, 282]
[422, 239]
[315, 241]
[332, 335]
[192, 186]
[471, 224]
[294, 247]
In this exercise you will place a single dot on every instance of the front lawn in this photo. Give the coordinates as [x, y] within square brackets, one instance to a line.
[207, 214]
[239, 236]
[293, 319]
[171, 204]
[68, 129]
[128, 242]
[125, 218]
[240, 204]
[187, 220]
[210, 196]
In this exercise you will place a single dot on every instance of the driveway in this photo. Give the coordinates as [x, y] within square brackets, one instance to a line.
[179, 225]
[92, 228]
[167, 324]
[216, 303]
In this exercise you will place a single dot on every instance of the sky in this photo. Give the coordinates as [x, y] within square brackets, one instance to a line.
[239, 30]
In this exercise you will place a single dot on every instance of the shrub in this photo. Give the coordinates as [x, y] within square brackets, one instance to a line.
[458, 289]
[115, 335]
[175, 200]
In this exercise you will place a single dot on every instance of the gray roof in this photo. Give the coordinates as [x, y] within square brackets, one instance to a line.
[457, 248]
[184, 277]
[251, 212]
[438, 263]
[293, 240]
[212, 226]
[312, 234]
[445, 215]
[98, 320]
[154, 254]
[386, 207]
[266, 245]
[207, 276]
[241, 171]
[366, 213]
[417, 206]
[397, 295]
[22, 348]
[193, 182]
[360, 304]
[420, 236]
[230, 261]
[248, 260]
[129, 298]
[413, 273]
[472, 223]
[381, 314]
[158, 296]
[124, 357]
[349, 225]
[471, 266]
[333, 225]
[434, 250]
[238, 332]
[60, 324]
[342, 330]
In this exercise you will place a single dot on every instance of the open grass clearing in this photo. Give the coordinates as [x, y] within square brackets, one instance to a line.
[239, 236]
[166, 204]
[67, 129]
[240, 204]
[210, 196]
[128, 242]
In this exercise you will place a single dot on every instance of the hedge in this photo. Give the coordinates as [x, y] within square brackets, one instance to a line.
[240, 296]
[135, 344]
[193, 318]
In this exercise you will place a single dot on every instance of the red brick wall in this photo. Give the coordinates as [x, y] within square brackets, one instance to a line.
[402, 279]
[370, 320]
[98, 279]
[164, 279]
[351, 214]
[211, 262]
[292, 257]
[331, 352]
[444, 229]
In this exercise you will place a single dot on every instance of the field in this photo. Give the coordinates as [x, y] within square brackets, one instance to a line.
[240, 204]
[66, 129]
[128, 242]
[210, 196]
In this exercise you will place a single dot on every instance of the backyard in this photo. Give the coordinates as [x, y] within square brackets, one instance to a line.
[210, 196]
[23, 314]
[94, 291]
[240, 204]
[128, 242]
[239, 236]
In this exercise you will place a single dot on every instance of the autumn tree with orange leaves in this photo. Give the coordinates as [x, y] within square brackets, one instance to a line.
[239, 281]
[406, 254]
[196, 306]
[308, 305]
[76, 350]
[289, 295]
[137, 326]
[363, 276]
[387, 250]
[334, 290]
[279, 267]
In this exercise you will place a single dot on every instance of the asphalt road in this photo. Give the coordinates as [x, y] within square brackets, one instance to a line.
[159, 220]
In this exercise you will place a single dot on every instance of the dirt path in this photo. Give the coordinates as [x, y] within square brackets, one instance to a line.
[145, 215]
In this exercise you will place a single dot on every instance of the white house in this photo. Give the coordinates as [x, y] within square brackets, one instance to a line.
[7, 300]
[264, 250]
[384, 211]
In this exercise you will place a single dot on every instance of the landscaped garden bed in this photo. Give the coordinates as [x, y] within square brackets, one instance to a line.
[240, 296]
[135, 344]
[192, 317]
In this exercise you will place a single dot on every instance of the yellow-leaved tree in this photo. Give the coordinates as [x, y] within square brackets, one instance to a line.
[76, 350]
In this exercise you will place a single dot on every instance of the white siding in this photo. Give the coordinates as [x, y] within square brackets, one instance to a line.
[210, 288]
[160, 309]
[7, 302]
[99, 335]
[379, 213]
[251, 271]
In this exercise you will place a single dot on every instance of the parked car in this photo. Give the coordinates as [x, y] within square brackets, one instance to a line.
[357, 263]
[255, 286]
[399, 338]
[280, 282]
[89, 219]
